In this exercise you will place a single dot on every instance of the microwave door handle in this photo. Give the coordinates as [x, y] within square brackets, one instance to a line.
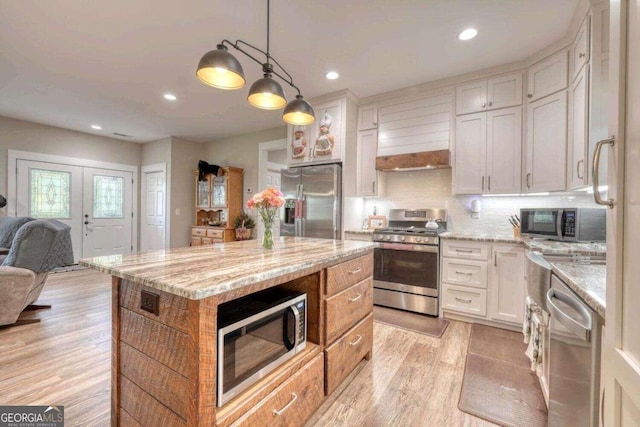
[290, 344]
[559, 224]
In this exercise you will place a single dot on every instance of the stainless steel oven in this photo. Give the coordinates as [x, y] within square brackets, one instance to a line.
[256, 334]
[406, 260]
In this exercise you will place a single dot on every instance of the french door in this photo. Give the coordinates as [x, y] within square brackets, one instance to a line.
[95, 203]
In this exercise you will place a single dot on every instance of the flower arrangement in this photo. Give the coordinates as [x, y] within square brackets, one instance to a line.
[267, 203]
[243, 225]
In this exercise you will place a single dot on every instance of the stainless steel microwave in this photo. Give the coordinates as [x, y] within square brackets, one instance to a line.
[256, 334]
[565, 224]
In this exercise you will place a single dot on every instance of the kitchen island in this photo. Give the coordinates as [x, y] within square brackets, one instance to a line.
[164, 329]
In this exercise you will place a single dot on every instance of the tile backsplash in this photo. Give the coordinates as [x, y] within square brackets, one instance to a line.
[432, 189]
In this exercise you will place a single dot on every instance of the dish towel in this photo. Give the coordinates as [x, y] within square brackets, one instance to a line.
[526, 324]
[534, 349]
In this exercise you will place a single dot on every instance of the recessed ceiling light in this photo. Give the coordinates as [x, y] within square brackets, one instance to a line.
[96, 127]
[170, 96]
[332, 75]
[468, 34]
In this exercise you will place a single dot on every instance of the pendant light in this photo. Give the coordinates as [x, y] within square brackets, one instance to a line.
[220, 69]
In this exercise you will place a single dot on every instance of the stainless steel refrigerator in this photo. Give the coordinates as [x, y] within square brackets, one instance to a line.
[313, 201]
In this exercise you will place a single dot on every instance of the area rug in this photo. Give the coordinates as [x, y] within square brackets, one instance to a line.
[421, 323]
[498, 385]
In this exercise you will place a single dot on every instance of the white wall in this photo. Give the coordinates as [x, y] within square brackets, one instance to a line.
[432, 189]
[184, 160]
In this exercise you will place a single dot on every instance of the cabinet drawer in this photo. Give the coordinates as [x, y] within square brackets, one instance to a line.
[202, 232]
[464, 272]
[196, 241]
[343, 275]
[343, 355]
[465, 249]
[464, 300]
[206, 240]
[358, 237]
[216, 234]
[293, 402]
[344, 309]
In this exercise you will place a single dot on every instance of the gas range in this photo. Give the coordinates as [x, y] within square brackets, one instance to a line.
[413, 227]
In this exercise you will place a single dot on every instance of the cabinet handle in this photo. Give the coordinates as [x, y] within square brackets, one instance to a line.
[285, 407]
[490, 103]
[596, 166]
[356, 271]
[528, 178]
[373, 186]
[578, 169]
[462, 272]
[356, 298]
[530, 96]
[495, 259]
[602, 407]
[483, 183]
[466, 301]
[484, 105]
[489, 183]
[466, 251]
[357, 341]
[581, 55]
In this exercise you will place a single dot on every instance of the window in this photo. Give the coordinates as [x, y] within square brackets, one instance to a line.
[50, 194]
[108, 196]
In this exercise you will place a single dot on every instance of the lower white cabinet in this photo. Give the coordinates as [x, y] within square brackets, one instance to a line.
[506, 278]
[486, 287]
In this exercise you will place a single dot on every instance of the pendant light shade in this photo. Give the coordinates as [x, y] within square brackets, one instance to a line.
[220, 69]
[267, 94]
[298, 112]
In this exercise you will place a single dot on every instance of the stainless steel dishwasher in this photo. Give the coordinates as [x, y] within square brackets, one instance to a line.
[574, 382]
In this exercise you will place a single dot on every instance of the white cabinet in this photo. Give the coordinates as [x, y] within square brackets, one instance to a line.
[577, 169]
[546, 144]
[547, 76]
[367, 117]
[506, 283]
[499, 92]
[580, 49]
[464, 300]
[488, 152]
[367, 182]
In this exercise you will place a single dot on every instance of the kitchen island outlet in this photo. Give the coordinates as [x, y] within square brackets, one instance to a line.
[165, 329]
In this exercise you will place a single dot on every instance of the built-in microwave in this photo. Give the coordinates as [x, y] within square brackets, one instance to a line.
[565, 224]
[256, 334]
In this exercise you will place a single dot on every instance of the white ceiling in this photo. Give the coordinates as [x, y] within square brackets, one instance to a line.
[73, 63]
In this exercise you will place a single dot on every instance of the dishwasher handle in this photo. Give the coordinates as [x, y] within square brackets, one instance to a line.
[582, 331]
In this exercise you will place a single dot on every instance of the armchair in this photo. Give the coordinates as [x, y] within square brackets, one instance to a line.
[38, 247]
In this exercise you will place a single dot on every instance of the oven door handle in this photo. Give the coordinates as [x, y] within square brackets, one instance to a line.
[408, 247]
[288, 343]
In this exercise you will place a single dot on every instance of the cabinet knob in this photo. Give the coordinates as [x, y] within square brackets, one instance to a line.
[490, 103]
[581, 55]
[530, 95]
[484, 105]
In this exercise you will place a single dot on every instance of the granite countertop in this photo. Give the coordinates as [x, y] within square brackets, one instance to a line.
[202, 271]
[589, 281]
[547, 247]
[367, 231]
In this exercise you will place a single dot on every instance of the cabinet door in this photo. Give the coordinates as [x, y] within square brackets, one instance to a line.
[368, 117]
[471, 97]
[470, 152]
[578, 130]
[366, 173]
[203, 192]
[219, 192]
[546, 145]
[580, 49]
[506, 284]
[504, 151]
[504, 91]
[547, 76]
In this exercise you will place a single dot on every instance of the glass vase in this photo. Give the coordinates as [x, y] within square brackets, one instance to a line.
[267, 219]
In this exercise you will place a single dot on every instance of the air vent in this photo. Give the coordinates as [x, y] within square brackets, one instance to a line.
[122, 135]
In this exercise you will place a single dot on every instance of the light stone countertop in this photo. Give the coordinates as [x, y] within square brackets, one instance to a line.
[202, 271]
[588, 281]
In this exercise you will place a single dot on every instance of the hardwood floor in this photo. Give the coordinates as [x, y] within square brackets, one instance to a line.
[412, 379]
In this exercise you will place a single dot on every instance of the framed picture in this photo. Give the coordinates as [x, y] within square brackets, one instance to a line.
[377, 221]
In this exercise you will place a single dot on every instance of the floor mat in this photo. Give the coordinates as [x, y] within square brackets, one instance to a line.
[500, 344]
[421, 323]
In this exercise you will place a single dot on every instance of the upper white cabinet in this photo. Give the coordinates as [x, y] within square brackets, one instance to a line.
[547, 76]
[506, 283]
[577, 169]
[546, 144]
[580, 50]
[415, 125]
[495, 93]
[367, 182]
[367, 117]
[488, 152]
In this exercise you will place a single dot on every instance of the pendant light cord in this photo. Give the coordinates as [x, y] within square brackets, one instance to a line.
[268, 19]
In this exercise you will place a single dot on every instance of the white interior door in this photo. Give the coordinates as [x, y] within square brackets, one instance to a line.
[621, 348]
[108, 213]
[51, 191]
[152, 236]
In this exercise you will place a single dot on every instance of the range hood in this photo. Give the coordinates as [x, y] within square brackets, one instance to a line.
[440, 159]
